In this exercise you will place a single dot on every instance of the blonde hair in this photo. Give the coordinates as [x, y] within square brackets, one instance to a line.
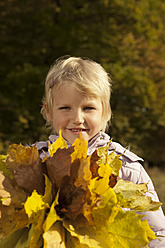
[87, 76]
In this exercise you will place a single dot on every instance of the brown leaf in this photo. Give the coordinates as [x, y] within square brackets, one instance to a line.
[71, 197]
[12, 217]
[71, 200]
[94, 165]
[74, 170]
[76, 206]
[30, 177]
[26, 167]
[11, 220]
[73, 189]
[113, 180]
[59, 165]
[84, 174]
[10, 193]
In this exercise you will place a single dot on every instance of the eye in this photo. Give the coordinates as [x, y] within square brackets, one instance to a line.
[89, 108]
[64, 107]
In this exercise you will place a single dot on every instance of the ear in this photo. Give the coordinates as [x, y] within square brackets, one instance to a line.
[47, 111]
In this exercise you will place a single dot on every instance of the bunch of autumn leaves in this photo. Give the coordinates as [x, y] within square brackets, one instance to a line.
[70, 200]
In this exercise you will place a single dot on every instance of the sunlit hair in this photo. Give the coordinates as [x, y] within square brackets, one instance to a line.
[86, 76]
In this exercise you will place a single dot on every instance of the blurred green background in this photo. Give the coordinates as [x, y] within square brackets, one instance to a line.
[126, 36]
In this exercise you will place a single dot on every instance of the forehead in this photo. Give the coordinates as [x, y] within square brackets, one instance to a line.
[68, 93]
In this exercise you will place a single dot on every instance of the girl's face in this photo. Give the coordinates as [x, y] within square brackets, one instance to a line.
[74, 112]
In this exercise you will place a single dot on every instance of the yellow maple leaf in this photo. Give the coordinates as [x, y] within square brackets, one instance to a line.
[47, 198]
[80, 148]
[35, 208]
[99, 185]
[149, 232]
[55, 236]
[59, 143]
[114, 162]
[37, 202]
[126, 229]
[19, 154]
[112, 159]
[52, 216]
[122, 229]
[34, 203]
[105, 202]
[103, 154]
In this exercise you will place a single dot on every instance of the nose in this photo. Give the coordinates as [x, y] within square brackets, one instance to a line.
[78, 117]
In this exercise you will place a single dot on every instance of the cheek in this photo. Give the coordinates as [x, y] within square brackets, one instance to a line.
[55, 121]
[96, 121]
[99, 121]
[59, 121]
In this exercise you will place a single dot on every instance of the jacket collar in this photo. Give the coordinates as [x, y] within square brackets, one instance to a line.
[99, 140]
[102, 139]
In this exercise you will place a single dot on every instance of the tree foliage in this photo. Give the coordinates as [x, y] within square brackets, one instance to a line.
[126, 37]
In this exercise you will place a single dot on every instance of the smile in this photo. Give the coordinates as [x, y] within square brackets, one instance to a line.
[77, 130]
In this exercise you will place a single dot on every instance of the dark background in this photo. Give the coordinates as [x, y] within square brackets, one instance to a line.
[126, 37]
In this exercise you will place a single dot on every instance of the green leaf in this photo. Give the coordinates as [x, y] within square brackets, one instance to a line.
[36, 237]
[133, 196]
[3, 167]
[18, 239]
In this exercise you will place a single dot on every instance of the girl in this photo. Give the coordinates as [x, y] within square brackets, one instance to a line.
[77, 95]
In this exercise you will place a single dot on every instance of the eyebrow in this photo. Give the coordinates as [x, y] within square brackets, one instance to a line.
[62, 103]
[85, 102]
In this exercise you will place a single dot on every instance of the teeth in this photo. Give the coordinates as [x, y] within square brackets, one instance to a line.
[76, 130]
